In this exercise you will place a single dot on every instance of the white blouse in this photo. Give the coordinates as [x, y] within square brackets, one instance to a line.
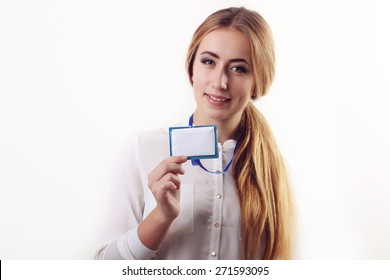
[208, 226]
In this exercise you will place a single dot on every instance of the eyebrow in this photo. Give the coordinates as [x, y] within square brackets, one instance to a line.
[217, 57]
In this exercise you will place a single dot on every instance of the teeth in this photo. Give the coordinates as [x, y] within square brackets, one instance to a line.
[217, 99]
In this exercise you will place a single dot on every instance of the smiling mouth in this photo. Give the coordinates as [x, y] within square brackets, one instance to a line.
[218, 99]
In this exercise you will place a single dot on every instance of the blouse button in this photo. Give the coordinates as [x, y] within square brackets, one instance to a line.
[213, 254]
[216, 225]
[219, 196]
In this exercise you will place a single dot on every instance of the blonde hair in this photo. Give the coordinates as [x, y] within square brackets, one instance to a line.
[266, 201]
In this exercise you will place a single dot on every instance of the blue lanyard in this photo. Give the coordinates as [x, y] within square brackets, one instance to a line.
[196, 162]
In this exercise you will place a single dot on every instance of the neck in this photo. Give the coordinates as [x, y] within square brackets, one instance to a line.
[227, 128]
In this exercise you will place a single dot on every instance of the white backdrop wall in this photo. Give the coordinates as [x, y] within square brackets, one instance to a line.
[77, 77]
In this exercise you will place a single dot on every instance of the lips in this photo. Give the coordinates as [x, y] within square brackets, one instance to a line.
[217, 99]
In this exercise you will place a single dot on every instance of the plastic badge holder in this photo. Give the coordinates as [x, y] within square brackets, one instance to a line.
[197, 142]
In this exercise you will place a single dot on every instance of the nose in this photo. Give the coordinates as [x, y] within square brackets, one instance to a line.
[220, 81]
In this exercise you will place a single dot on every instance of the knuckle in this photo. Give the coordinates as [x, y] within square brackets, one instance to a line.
[166, 187]
[165, 168]
[170, 176]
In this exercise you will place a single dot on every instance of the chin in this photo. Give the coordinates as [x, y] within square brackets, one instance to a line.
[217, 116]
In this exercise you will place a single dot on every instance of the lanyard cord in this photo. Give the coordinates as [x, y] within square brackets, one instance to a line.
[197, 161]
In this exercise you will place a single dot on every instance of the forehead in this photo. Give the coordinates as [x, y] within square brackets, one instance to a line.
[227, 43]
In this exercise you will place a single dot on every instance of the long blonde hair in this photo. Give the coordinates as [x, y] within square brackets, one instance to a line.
[266, 201]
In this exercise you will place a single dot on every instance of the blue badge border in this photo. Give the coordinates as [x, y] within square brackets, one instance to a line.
[215, 155]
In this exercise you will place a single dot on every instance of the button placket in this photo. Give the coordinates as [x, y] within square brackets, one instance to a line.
[217, 210]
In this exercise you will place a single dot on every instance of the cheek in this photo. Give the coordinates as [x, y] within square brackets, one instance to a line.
[244, 88]
[249, 88]
[200, 77]
[197, 78]
[244, 100]
[199, 84]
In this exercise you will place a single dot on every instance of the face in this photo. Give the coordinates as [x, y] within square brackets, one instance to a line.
[222, 77]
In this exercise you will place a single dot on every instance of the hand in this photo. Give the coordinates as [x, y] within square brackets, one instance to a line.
[164, 182]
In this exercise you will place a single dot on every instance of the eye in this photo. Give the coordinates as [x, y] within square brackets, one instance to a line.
[207, 61]
[239, 69]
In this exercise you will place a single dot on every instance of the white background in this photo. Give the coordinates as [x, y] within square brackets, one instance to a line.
[77, 77]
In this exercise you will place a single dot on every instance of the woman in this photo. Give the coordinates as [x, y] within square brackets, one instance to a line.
[166, 208]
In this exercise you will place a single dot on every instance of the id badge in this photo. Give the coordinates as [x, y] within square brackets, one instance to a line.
[196, 142]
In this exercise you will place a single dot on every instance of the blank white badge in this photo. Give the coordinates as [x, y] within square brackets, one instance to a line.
[196, 142]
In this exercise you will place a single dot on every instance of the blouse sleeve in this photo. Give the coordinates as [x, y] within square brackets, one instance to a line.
[120, 239]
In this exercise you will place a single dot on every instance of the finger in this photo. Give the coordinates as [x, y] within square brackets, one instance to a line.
[174, 168]
[173, 164]
[163, 190]
[169, 165]
[170, 177]
[177, 159]
[168, 187]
